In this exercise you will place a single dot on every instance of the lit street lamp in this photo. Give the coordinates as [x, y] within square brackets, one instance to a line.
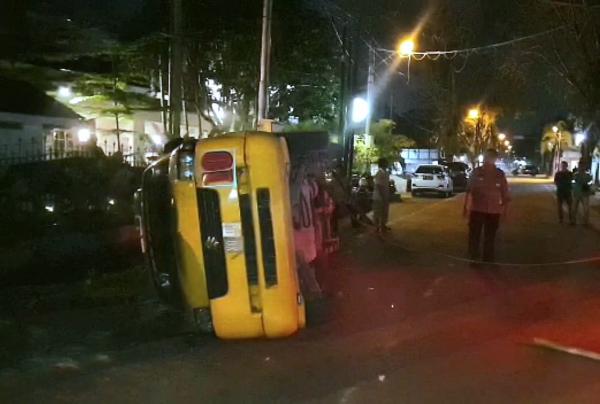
[407, 47]
[360, 109]
[501, 137]
[474, 113]
[507, 143]
[84, 135]
[64, 92]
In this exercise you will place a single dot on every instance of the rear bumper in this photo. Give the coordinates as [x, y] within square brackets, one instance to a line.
[432, 188]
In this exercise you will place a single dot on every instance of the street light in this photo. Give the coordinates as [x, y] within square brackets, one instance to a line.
[84, 135]
[501, 137]
[555, 129]
[507, 143]
[360, 109]
[474, 113]
[407, 47]
[64, 92]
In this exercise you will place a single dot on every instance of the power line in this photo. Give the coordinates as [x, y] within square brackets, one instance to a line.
[450, 54]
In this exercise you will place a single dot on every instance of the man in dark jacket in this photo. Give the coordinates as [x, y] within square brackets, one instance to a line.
[564, 191]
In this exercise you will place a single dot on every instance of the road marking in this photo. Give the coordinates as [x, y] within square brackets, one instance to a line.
[495, 264]
[565, 349]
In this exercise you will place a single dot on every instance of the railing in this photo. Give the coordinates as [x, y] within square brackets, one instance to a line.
[134, 160]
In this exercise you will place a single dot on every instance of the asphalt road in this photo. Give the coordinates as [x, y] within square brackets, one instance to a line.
[407, 321]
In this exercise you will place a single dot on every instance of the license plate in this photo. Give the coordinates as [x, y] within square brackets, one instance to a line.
[428, 177]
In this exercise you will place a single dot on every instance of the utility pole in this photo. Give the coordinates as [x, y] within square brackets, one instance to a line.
[343, 101]
[265, 59]
[370, 95]
[177, 68]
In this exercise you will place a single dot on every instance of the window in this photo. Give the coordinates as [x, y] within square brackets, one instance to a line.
[11, 125]
[429, 170]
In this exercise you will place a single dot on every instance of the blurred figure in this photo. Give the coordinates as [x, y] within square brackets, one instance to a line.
[486, 201]
[581, 193]
[361, 204]
[381, 196]
[564, 191]
[305, 237]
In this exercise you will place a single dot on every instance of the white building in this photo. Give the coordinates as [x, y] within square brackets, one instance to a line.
[142, 132]
[33, 125]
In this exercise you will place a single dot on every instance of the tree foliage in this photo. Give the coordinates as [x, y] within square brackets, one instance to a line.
[478, 134]
[386, 144]
[572, 53]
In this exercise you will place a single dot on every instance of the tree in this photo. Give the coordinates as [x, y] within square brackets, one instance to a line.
[573, 54]
[554, 143]
[385, 145]
[478, 132]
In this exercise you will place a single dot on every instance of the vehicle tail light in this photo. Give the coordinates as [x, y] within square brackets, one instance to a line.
[217, 161]
[218, 168]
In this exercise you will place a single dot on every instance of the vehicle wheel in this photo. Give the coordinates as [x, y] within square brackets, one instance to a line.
[414, 194]
[203, 321]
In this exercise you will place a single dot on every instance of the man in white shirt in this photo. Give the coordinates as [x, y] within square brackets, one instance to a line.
[381, 196]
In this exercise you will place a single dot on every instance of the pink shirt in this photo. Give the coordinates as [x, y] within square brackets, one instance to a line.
[488, 190]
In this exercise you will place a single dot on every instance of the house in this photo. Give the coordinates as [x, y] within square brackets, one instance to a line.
[142, 133]
[34, 125]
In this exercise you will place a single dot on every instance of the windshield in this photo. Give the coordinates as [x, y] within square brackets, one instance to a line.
[430, 170]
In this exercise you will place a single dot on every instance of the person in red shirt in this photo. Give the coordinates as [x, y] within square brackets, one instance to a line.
[486, 201]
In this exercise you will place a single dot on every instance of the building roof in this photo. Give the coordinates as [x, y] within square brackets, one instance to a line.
[20, 97]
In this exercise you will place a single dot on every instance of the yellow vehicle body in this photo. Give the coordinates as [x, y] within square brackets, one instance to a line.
[188, 245]
[246, 237]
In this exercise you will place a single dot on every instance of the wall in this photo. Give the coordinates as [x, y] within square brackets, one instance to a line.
[27, 135]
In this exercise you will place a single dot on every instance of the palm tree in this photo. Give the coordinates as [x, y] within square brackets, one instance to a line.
[555, 140]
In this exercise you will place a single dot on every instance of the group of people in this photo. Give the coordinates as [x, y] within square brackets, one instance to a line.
[376, 198]
[573, 189]
[488, 199]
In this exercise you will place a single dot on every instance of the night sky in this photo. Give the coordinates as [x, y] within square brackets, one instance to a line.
[527, 108]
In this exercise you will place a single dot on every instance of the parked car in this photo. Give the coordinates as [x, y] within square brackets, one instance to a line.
[459, 172]
[432, 178]
[528, 169]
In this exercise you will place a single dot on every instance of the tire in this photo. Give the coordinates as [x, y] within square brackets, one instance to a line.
[414, 194]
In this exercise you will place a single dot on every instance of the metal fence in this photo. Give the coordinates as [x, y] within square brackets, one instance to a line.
[134, 160]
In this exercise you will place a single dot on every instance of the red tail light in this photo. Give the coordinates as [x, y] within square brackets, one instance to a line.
[217, 161]
[218, 168]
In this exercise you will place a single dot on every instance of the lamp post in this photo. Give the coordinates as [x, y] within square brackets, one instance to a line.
[558, 135]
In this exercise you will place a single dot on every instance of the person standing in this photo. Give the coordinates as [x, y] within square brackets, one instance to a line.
[381, 196]
[486, 201]
[564, 191]
[581, 193]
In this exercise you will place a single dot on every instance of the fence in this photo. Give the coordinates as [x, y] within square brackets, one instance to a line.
[134, 160]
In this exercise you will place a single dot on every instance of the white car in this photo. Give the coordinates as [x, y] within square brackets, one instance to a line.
[432, 178]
